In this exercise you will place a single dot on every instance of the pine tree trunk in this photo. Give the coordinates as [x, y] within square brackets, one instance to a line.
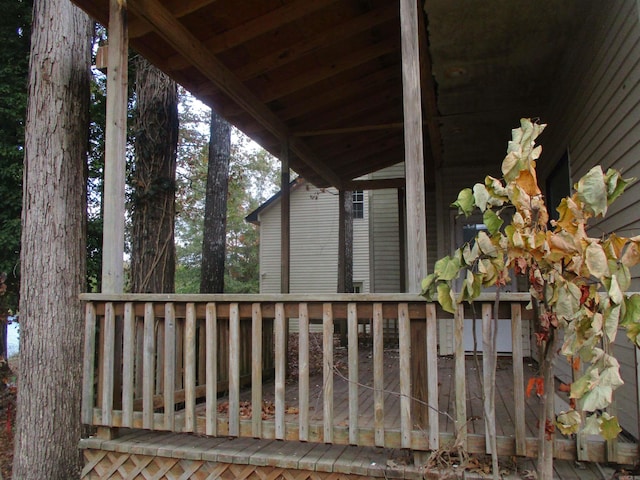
[215, 216]
[53, 245]
[153, 252]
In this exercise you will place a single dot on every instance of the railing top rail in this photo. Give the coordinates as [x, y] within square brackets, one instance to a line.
[287, 298]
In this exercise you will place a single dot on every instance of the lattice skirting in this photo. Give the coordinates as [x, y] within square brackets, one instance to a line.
[101, 464]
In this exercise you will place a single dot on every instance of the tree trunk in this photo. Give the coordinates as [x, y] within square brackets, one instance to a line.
[153, 253]
[215, 214]
[53, 245]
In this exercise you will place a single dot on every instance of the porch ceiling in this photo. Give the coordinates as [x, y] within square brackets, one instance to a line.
[326, 74]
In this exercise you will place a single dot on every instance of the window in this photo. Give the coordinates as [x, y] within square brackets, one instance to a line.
[358, 203]
[357, 287]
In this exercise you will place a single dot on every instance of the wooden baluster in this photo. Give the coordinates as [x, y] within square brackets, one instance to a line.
[518, 378]
[432, 376]
[234, 370]
[108, 364]
[256, 370]
[88, 374]
[460, 378]
[404, 332]
[488, 376]
[303, 371]
[190, 369]
[212, 369]
[169, 366]
[327, 369]
[352, 329]
[128, 365]
[148, 367]
[378, 374]
[281, 356]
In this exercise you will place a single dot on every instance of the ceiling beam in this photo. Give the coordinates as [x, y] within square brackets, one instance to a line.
[138, 27]
[331, 36]
[339, 131]
[177, 35]
[256, 27]
[337, 65]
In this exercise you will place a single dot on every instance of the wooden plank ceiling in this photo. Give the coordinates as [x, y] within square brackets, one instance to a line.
[326, 74]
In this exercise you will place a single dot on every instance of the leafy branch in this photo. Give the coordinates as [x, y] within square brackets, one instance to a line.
[577, 282]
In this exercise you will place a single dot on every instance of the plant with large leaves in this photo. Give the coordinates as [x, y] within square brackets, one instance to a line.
[577, 282]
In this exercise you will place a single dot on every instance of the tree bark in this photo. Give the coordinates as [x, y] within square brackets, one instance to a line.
[53, 244]
[153, 253]
[215, 216]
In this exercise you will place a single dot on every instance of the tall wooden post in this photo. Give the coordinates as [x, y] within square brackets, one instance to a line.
[345, 253]
[413, 147]
[285, 203]
[115, 150]
[415, 200]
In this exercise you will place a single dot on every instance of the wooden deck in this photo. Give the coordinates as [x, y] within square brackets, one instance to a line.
[203, 365]
[140, 454]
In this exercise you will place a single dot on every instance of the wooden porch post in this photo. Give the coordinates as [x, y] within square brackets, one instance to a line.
[415, 201]
[285, 246]
[115, 150]
[413, 147]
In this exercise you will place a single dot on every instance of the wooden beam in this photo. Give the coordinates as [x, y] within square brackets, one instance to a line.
[115, 150]
[376, 184]
[254, 28]
[179, 37]
[139, 27]
[320, 40]
[340, 131]
[293, 84]
[414, 160]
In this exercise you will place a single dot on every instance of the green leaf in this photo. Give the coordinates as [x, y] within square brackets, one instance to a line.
[611, 318]
[609, 426]
[445, 299]
[615, 294]
[486, 245]
[592, 190]
[615, 184]
[427, 282]
[631, 311]
[596, 260]
[492, 221]
[598, 398]
[481, 196]
[447, 268]
[464, 203]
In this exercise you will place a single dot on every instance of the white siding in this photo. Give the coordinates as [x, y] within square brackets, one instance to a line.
[314, 243]
[385, 251]
[596, 116]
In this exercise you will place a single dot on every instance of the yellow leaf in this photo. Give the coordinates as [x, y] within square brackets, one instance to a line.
[596, 260]
[528, 182]
[631, 255]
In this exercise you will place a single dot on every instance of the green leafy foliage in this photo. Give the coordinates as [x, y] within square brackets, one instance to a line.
[577, 281]
[253, 177]
[15, 34]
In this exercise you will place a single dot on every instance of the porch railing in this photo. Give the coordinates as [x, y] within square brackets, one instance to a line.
[217, 365]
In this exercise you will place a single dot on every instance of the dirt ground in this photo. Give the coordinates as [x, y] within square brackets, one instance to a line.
[8, 372]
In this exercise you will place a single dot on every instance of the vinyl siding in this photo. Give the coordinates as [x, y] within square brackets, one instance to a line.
[384, 236]
[314, 243]
[596, 117]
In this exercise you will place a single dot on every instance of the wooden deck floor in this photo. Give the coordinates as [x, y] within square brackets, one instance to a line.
[446, 398]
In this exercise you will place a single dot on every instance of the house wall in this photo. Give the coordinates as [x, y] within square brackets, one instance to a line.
[314, 243]
[595, 115]
[384, 234]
